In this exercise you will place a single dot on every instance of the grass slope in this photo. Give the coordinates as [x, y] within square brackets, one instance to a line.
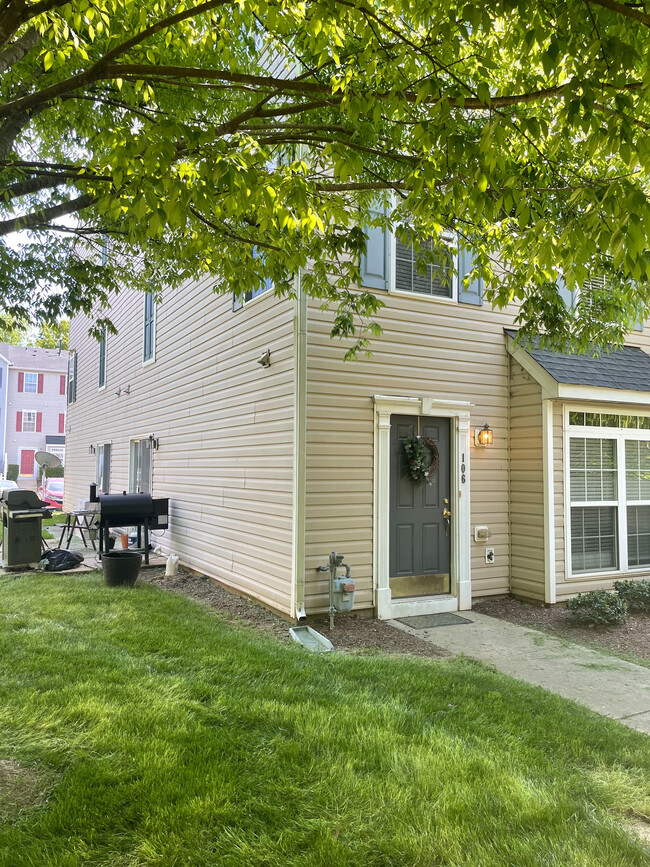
[166, 737]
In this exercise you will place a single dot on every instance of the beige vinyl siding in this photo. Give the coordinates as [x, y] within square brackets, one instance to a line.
[224, 425]
[526, 485]
[435, 348]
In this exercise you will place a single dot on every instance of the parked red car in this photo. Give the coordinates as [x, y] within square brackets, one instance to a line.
[52, 492]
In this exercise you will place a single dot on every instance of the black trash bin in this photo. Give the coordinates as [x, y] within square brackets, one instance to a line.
[121, 567]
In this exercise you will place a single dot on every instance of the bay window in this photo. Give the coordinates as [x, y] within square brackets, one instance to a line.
[609, 492]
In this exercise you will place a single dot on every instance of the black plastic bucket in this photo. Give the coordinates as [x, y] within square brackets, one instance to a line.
[121, 567]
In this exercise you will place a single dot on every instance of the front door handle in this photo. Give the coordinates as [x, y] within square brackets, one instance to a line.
[446, 515]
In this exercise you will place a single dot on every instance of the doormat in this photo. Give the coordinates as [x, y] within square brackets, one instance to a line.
[429, 621]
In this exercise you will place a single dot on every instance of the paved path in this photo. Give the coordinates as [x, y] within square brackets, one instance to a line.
[606, 684]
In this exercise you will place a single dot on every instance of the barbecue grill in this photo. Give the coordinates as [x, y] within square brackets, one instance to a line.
[22, 521]
[129, 510]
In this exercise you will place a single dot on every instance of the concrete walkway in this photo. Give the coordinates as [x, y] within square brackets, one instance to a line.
[606, 684]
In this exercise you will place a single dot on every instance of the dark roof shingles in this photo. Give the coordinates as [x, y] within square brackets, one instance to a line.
[624, 367]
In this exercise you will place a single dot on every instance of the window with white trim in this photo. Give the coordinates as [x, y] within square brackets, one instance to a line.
[609, 492]
[427, 270]
[238, 300]
[102, 360]
[103, 468]
[29, 421]
[140, 466]
[72, 377]
[30, 383]
[149, 327]
[438, 269]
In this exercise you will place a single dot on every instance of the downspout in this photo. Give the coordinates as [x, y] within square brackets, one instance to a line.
[299, 450]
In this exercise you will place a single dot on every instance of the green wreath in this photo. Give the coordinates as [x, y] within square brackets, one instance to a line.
[422, 458]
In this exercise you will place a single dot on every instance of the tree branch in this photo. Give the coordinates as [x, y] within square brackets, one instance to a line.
[627, 11]
[18, 49]
[40, 218]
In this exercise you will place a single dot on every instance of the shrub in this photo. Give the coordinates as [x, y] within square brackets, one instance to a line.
[598, 607]
[635, 593]
[12, 472]
[54, 472]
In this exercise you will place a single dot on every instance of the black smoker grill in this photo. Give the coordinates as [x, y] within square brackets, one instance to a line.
[22, 519]
[129, 510]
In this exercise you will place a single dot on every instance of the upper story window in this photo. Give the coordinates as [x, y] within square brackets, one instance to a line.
[584, 296]
[149, 350]
[29, 421]
[31, 383]
[427, 271]
[72, 377]
[102, 360]
[238, 301]
[436, 270]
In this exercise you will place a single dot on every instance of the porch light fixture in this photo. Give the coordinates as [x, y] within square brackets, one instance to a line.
[153, 442]
[91, 449]
[484, 436]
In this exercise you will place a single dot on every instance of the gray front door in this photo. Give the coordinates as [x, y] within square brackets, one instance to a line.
[420, 536]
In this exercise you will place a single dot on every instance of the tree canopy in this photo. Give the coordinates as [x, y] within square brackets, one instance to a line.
[249, 138]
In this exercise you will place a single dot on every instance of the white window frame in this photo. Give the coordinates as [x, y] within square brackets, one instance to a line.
[154, 322]
[27, 412]
[621, 436]
[101, 373]
[448, 238]
[133, 470]
[59, 452]
[102, 472]
[35, 383]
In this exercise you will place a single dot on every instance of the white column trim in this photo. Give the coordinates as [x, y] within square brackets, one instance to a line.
[461, 591]
[550, 595]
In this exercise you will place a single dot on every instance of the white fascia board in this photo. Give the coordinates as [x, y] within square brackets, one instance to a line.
[599, 394]
[549, 385]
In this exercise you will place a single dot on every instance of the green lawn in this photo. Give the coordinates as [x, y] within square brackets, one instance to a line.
[137, 728]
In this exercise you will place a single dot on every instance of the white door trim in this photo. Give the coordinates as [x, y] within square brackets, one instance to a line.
[458, 412]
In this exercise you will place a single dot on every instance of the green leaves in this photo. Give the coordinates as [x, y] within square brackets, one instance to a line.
[278, 125]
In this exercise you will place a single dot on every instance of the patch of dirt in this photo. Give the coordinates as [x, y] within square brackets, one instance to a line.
[20, 789]
[631, 638]
[351, 632]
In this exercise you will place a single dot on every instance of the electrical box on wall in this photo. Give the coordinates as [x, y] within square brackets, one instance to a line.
[481, 534]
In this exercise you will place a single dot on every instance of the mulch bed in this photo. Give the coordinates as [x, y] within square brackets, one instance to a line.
[632, 638]
[351, 632]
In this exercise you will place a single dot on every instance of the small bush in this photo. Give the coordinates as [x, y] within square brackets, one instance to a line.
[598, 607]
[54, 472]
[635, 593]
[12, 472]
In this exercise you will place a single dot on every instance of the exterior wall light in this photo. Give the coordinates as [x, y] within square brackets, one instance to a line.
[91, 450]
[484, 436]
[153, 442]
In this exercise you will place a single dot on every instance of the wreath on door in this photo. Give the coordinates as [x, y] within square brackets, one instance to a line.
[422, 458]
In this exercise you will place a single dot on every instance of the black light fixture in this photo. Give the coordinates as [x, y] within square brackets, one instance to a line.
[484, 436]
[91, 449]
[153, 442]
